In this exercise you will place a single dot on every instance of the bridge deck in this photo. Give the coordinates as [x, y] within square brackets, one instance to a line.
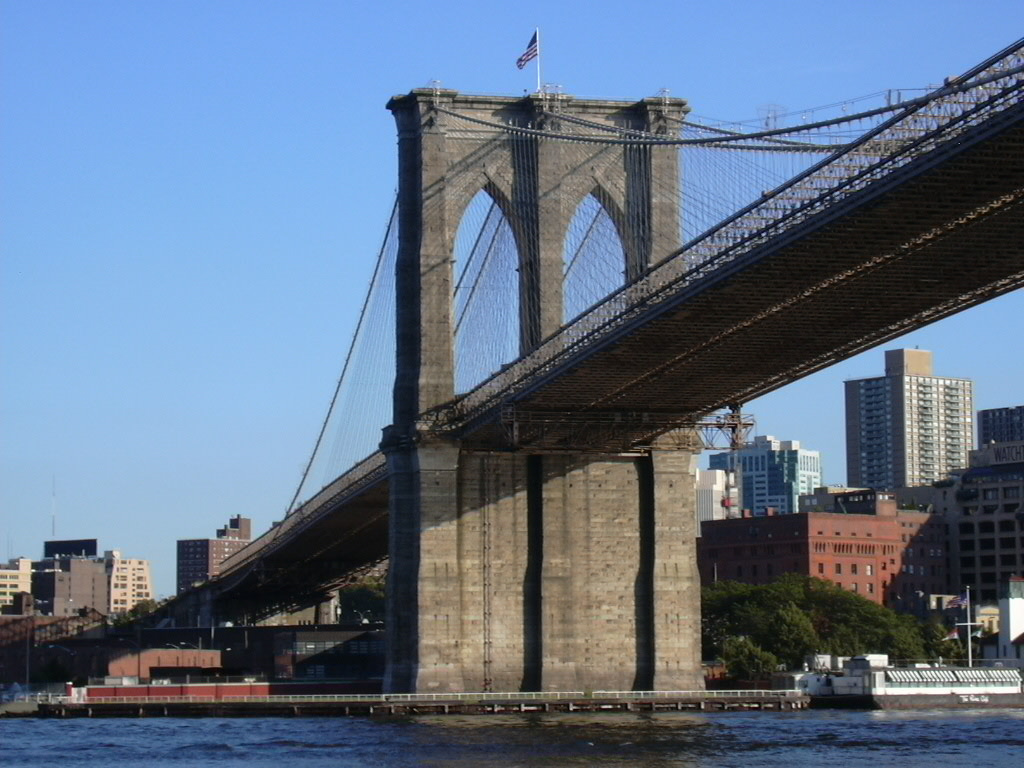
[944, 239]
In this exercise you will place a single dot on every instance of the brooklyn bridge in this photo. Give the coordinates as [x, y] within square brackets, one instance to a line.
[573, 297]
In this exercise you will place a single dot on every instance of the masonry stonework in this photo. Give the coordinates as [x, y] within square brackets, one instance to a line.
[511, 570]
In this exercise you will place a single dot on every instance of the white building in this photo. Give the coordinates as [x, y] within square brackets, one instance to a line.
[1009, 649]
[15, 577]
[129, 580]
[907, 427]
[712, 493]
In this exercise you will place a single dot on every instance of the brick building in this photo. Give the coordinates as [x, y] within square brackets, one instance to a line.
[892, 557]
[200, 559]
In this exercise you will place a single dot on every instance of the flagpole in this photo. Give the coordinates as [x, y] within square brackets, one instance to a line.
[970, 658]
[536, 31]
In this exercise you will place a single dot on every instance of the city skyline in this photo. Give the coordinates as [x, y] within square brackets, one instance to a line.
[194, 194]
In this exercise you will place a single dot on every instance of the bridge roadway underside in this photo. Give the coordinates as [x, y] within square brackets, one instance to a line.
[939, 242]
[298, 566]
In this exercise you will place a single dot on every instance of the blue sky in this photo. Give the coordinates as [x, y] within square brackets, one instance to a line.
[192, 195]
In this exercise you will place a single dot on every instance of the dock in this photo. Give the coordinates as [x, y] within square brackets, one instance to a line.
[402, 705]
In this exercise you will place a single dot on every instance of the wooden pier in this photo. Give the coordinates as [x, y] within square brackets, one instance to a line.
[429, 704]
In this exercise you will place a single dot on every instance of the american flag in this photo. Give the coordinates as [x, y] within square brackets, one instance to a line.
[529, 54]
[957, 602]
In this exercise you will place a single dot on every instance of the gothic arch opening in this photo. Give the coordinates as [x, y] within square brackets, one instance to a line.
[594, 258]
[486, 292]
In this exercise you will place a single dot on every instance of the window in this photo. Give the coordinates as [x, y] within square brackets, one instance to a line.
[821, 567]
[869, 569]
[839, 568]
[853, 569]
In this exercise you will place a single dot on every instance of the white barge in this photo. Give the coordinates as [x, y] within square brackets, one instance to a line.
[870, 681]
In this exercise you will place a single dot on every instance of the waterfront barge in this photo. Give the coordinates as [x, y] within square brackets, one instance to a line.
[870, 682]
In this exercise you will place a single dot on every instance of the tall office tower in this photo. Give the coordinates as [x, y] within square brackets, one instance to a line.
[1001, 425]
[773, 473]
[908, 427]
[200, 559]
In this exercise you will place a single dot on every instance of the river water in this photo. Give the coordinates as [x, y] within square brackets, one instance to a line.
[933, 739]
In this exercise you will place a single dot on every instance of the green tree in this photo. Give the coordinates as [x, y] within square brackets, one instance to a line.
[788, 634]
[798, 615]
[719, 602]
[364, 600]
[140, 609]
[744, 660]
[937, 646]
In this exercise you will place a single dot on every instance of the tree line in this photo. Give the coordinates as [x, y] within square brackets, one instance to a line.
[755, 629]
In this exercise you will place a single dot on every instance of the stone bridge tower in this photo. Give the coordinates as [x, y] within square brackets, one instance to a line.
[510, 570]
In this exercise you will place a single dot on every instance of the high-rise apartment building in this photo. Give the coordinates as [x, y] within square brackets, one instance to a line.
[200, 559]
[773, 473]
[908, 427]
[1001, 425]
